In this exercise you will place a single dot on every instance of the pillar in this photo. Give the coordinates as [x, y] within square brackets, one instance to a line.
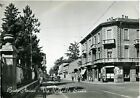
[9, 55]
[103, 74]
[97, 74]
[93, 74]
[118, 74]
[87, 74]
[132, 74]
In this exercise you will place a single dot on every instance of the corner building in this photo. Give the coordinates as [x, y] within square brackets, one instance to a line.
[110, 52]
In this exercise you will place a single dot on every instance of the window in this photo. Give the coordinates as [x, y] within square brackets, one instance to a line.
[137, 34]
[137, 53]
[98, 38]
[109, 34]
[126, 51]
[99, 53]
[90, 42]
[109, 53]
[126, 34]
[95, 40]
[85, 45]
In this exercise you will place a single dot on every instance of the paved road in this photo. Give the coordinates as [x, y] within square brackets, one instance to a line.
[99, 90]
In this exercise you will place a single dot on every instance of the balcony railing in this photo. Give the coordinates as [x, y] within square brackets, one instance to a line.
[89, 63]
[136, 42]
[112, 60]
[93, 47]
[83, 51]
[109, 41]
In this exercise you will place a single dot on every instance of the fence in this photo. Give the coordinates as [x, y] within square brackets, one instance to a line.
[24, 81]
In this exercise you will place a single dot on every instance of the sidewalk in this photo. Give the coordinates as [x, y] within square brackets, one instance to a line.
[100, 82]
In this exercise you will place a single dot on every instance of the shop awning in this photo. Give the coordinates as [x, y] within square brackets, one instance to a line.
[109, 66]
[83, 71]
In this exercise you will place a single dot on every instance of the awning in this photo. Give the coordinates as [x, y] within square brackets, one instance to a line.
[83, 71]
[109, 66]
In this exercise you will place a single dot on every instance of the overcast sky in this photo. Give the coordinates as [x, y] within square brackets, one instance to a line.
[63, 22]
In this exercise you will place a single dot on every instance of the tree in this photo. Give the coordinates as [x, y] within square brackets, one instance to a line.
[73, 51]
[10, 22]
[57, 63]
[51, 71]
[23, 28]
[28, 40]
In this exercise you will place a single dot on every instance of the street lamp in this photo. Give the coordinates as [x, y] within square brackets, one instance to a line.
[9, 55]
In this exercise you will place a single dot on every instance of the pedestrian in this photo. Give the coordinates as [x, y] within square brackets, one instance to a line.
[40, 80]
[78, 78]
[72, 78]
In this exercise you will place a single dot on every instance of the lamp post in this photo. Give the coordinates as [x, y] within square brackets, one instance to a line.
[9, 56]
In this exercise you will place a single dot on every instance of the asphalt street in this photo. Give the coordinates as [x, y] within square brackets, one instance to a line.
[97, 90]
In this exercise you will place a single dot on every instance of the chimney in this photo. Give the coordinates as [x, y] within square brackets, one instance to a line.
[125, 17]
[107, 19]
[122, 16]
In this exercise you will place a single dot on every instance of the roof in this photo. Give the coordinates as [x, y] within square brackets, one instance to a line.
[111, 22]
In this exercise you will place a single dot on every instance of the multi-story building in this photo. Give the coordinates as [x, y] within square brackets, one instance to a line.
[111, 51]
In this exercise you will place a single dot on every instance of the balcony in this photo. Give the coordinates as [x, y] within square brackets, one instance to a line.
[136, 42]
[84, 53]
[109, 43]
[93, 47]
[89, 63]
[116, 60]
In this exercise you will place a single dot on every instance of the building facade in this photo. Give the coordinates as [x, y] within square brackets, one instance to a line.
[69, 70]
[73, 70]
[111, 51]
[63, 70]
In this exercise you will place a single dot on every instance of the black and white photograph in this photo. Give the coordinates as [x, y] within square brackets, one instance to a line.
[69, 49]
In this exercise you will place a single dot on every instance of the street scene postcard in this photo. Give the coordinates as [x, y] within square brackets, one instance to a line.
[69, 49]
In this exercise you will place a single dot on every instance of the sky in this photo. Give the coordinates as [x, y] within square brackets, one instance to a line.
[63, 22]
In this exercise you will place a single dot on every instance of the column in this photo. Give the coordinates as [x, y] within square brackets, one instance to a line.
[118, 74]
[93, 74]
[97, 74]
[87, 74]
[103, 74]
[132, 74]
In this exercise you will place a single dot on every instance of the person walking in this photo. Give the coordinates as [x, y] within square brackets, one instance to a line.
[78, 78]
[72, 78]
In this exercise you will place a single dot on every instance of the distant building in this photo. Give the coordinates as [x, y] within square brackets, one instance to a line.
[44, 59]
[74, 69]
[0, 51]
[63, 70]
[0, 39]
[67, 70]
[111, 51]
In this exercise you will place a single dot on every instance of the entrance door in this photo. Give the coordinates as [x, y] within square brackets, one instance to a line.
[126, 74]
[110, 73]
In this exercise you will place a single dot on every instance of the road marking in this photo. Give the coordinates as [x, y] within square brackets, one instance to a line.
[118, 94]
[138, 97]
[64, 95]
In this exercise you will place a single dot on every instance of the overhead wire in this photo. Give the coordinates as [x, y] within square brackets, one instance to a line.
[103, 13]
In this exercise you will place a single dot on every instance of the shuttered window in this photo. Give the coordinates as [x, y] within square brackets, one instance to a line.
[126, 51]
[109, 53]
[109, 34]
[126, 34]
